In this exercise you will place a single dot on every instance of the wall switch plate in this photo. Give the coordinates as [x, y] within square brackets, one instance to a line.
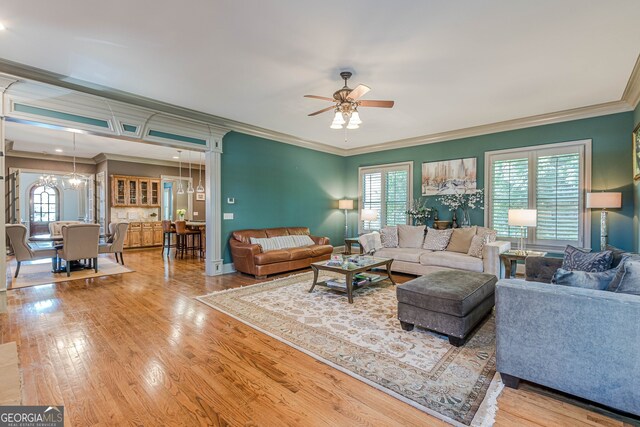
[227, 216]
[231, 200]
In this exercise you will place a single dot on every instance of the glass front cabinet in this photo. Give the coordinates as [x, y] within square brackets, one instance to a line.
[118, 191]
[135, 191]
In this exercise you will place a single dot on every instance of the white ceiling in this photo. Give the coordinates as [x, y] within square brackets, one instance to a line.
[448, 65]
[42, 140]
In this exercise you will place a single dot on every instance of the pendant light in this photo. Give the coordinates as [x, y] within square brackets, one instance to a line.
[180, 187]
[200, 188]
[190, 189]
[73, 181]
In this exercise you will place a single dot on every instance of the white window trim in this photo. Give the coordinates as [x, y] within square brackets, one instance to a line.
[586, 172]
[382, 168]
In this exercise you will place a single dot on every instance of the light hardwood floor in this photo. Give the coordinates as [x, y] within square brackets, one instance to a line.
[137, 349]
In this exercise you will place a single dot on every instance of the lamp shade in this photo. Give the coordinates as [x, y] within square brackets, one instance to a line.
[522, 217]
[369, 214]
[604, 200]
[345, 204]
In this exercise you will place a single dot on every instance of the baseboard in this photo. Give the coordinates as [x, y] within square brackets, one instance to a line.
[228, 268]
[338, 249]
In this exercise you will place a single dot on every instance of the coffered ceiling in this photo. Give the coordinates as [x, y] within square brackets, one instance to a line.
[448, 65]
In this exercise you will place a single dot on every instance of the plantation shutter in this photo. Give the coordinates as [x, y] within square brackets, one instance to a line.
[372, 197]
[387, 190]
[558, 197]
[396, 197]
[509, 190]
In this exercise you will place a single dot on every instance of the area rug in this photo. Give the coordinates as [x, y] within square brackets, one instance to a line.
[11, 388]
[39, 272]
[365, 340]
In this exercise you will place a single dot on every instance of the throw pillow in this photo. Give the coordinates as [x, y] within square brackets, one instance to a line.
[461, 239]
[267, 243]
[389, 237]
[437, 240]
[489, 234]
[630, 283]
[613, 286]
[578, 260]
[617, 255]
[410, 236]
[476, 246]
[583, 279]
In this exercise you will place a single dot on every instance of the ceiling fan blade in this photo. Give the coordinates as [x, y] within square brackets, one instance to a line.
[358, 92]
[381, 104]
[324, 98]
[323, 110]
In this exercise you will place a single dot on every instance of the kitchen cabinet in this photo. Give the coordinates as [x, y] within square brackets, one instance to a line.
[135, 235]
[143, 234]
[158, 234]
[135, 191]
[147, 234]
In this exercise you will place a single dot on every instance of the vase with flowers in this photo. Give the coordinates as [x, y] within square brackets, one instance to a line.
[419, 212]
[181, 213]
[466, 201]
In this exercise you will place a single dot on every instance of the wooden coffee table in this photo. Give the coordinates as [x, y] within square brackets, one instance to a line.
[367, 265]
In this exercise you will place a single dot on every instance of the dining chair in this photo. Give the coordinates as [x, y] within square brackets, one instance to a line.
[17, 234]
[115, 243]
[167, 230]
[183, 232]
[80, 241]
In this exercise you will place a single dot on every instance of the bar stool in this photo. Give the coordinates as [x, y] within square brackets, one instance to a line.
[167, 230]
[183, 233]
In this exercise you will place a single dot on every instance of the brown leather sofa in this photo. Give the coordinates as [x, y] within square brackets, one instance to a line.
[250, 259]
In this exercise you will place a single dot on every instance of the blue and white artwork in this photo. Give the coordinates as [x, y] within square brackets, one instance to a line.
[448, 177]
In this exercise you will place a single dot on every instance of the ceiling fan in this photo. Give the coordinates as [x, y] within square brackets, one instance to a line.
[346, 102]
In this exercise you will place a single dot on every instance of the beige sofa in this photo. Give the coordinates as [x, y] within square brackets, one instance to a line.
[420, 261]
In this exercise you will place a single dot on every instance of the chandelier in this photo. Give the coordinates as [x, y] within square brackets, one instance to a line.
[74, 180]
[47, 180]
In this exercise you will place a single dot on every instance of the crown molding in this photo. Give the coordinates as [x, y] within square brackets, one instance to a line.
[525, 122]
[17, 70]
[50, 157]
[99, 158]
[628, 102]
[631, 92]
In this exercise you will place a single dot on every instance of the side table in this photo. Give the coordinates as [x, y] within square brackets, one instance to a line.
[510, 260]
[349, 241]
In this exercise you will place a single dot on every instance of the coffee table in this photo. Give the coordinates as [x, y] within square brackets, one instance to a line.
[370, 263]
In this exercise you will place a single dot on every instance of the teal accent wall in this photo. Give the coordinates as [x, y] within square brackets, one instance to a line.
[60, 115]
[278, 185]
[611, 164]
[176, 137]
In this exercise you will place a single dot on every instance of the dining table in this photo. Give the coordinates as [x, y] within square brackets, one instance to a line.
[56, 241]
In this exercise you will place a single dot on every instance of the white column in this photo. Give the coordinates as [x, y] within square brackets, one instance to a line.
[3, 219]
[213, 193]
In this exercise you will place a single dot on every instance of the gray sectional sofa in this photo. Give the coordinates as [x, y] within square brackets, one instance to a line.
[583, 342]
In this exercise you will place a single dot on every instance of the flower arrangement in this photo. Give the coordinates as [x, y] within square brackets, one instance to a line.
[466, 201]
[419, 211]
[181, 213]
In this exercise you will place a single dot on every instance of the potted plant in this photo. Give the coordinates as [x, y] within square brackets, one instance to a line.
[419, 212]
[465, 201]
[181, 213]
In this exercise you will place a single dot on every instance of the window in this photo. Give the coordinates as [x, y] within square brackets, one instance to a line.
[387, 190]
[551, 179]
[45, 204]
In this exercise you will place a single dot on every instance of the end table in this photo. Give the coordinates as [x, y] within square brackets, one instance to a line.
[510, 260]
[349, 241]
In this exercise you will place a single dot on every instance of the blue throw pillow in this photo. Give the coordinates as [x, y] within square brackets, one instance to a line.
[613, 286]
[583, 279]
[578, 260]
[630, 282]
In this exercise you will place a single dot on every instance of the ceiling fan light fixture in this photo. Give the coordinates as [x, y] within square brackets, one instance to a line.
[355, 118]
[353, 126]
[338, 118]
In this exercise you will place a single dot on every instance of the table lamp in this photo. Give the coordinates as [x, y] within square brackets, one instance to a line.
[522, 218]
[346, 205]
[604, 201]
[369, 214]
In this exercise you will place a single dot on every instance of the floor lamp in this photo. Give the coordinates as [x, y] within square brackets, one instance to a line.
[604, 201]
[346, 205]
[522, 218]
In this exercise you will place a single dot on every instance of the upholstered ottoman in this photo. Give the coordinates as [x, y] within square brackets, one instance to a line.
[450, 302]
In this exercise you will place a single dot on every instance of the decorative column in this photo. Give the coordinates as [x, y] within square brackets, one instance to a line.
[213, 193]
[5, 82]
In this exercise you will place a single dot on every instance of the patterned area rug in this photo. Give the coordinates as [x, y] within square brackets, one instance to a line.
[365, 340]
